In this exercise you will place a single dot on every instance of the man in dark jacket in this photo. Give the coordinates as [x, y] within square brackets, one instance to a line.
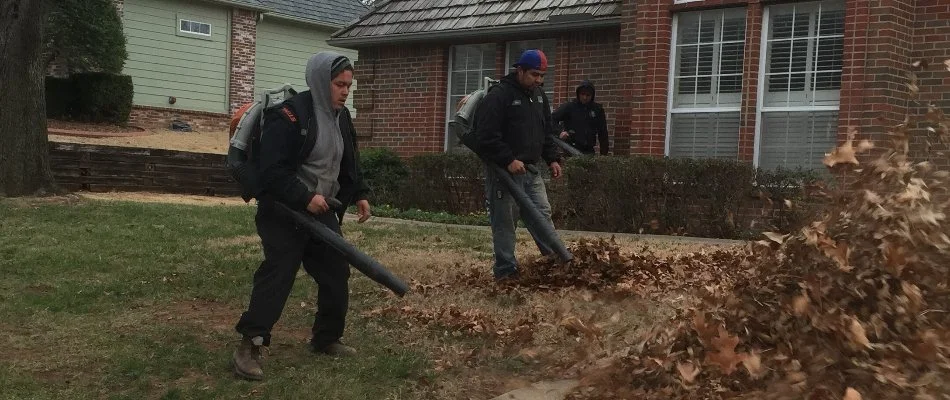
[307, 154]
[584, 122]
[514, 129]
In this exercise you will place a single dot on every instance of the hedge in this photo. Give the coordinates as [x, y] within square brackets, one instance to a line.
[711, 198]
[90, 97]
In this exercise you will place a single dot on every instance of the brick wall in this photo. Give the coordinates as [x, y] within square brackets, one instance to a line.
[242, 58]
[590, 55]
[627, 68]
[932, 44]
[161, 118]
[401, 99]
[654, 27]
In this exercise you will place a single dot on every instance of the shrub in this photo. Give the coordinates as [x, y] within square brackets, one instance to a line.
[452, 182]
[384, 173]
[60, 97]
[102, 97]
[85, 35]
[714, 198]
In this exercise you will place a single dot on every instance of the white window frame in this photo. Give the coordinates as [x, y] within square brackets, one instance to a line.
[450, 106]
[671, 89]
[763, 84]
[192, 21]
[552, 64]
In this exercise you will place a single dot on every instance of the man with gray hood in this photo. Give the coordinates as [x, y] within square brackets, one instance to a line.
[307, 154]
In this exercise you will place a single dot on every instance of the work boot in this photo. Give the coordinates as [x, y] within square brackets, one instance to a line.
[336, 349]
[247, 359]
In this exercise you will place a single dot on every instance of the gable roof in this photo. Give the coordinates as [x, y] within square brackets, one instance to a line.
[415, 20]
[331, 13]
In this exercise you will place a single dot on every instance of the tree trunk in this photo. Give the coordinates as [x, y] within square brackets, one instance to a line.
[24, 152]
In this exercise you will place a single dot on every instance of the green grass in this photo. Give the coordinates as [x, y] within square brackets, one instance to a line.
[125, 300]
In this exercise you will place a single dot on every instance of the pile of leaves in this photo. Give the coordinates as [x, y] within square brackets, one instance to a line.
[854, 305]
[601, 265]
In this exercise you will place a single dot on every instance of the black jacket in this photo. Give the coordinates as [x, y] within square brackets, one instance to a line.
[512, 123]
[588, 122]
[287, 138]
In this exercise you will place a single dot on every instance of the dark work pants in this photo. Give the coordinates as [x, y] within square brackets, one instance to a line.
[285, 247]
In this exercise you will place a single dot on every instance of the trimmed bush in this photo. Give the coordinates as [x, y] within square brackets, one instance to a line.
[102, 97]
[384, 172]
[60, 97]
[450, 182]
[711, 198]
[85, 36]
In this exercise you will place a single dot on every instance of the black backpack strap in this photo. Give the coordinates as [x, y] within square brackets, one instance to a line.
[299, 111]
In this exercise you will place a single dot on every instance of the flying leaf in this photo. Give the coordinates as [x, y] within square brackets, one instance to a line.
[857, 333]
[800, 305]
[776, 237]
[753, 364]
[851, 394]
[688, 371]
[725, 356]
[843, 154]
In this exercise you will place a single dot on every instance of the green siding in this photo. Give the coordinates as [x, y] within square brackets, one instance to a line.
[283, 48]
[163, 62]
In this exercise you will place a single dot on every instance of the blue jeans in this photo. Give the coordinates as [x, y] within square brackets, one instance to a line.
[503, 214]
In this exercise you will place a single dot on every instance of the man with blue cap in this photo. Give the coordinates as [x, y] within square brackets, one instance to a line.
[514, 130]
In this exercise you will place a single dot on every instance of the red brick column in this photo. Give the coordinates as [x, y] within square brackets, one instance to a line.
[627, 68]
[242, 58]
[750, 81]
[654, 31]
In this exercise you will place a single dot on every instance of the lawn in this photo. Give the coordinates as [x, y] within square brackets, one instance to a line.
[123, 299]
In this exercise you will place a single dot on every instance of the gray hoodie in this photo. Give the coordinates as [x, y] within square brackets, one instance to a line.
[321, 169]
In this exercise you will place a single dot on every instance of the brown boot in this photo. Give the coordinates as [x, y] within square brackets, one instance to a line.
[337, 349]
[247, 359]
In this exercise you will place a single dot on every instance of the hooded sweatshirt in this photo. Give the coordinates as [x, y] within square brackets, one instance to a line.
[588, 121]
[321, 168]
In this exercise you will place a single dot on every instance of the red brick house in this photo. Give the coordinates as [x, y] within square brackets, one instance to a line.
[775, 83]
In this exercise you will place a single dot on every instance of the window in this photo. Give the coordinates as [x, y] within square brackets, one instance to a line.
[193, 27]
[706, 84]
[800, 84]
[548, 47]
[468, 66]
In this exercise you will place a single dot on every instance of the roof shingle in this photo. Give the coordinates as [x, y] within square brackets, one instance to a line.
[325, 12]
[417, 16]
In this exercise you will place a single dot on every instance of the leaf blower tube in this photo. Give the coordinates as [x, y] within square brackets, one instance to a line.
[361, 261]
[567, 147]
[546, 233]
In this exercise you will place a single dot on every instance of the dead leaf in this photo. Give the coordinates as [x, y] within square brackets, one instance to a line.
[725, 355]
[857, 333]
[800, 305]
[844, 154]
[776, 237]
[753, 364]
[688, 371]
[851, 394]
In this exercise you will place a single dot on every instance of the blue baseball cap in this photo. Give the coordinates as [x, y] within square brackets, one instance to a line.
[533, 59]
